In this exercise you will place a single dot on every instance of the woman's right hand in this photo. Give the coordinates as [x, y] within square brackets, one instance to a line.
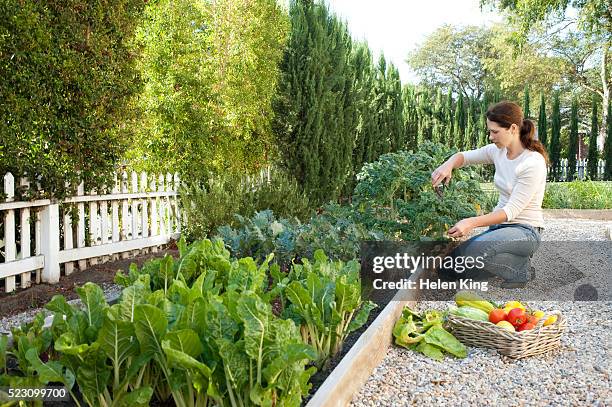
[442, 174]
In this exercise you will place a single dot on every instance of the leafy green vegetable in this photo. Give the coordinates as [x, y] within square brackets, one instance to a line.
[325, 299]
[425, 334]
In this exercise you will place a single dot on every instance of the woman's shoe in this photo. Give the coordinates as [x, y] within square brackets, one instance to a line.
[520, 284]
[514, 284]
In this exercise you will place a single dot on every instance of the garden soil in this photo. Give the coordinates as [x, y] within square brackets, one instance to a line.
[40, 294]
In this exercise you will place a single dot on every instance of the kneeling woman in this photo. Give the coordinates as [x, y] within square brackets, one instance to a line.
[516, 222]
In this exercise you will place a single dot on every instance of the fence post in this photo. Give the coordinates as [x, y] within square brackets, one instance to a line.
[50, 244]
[10, 247]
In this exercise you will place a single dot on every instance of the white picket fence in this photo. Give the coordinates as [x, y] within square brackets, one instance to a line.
[580, 170]
[42, 244]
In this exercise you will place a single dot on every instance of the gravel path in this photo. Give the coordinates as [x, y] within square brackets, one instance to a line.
[111, 292]
[577, 374]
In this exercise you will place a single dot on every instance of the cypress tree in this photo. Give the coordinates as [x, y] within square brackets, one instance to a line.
[396, 125]
[410, 118]
[365, 130]
[314, 113]
[607, 175]
[542, 125]
[555, 133]
[573, 141]
[592, 155]
[448, 119]
[459, 124]
[437, 117]
[424, 113]
[526, 112]
[382, 143]
[470, 129]
[483, 139]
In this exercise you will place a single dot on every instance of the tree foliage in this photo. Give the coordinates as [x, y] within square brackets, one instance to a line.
[555, 137]
[573, 141]
[67, 76]
[211, 72]
[593, 156]
[455, 58]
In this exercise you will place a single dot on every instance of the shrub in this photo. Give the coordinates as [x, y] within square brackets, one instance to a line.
[68, 76]
[215, 204]
[394, 194]
[578, 195]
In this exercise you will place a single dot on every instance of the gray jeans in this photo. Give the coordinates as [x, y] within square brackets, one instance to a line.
[506, 250]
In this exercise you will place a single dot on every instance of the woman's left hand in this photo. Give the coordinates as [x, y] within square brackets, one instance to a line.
[461, 228]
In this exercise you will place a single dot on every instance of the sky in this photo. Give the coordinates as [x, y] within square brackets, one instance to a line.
[396, 27]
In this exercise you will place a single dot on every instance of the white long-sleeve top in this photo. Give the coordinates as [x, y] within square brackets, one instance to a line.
[521, 182]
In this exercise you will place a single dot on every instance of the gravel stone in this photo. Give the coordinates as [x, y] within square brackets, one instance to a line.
[111, 292]
[576, 374]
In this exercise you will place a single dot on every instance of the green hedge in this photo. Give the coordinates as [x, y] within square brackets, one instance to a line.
[67, 78]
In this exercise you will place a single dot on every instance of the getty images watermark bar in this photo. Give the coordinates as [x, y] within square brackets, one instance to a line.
[558, 271]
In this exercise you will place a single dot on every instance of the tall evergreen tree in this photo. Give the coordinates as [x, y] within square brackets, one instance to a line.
[607, 153]
[448, 119]
[411, 122]
[526, 111]
[437, 132]
[573, 142]
[382, 143]
[425, 116]
[555, 141]
[459, 124]
[396, 125]
[469, 138]
[593, 155]
[366, 129]
[483, 134]
[314, 120]
[542, 125]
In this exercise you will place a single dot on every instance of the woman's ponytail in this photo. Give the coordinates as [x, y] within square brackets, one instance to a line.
[529, 141]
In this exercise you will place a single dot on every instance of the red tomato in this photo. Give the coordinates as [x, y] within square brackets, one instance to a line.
[526, 326]
[517, 317]
[497, 315]
[532, 319]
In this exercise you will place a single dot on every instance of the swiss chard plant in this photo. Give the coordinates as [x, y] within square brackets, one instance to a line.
[324, 298]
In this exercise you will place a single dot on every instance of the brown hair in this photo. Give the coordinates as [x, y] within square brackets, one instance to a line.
[507, 113]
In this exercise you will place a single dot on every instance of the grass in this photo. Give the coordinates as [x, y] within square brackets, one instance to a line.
[565, 195]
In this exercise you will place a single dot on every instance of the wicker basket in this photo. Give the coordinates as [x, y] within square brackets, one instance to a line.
[516, 345]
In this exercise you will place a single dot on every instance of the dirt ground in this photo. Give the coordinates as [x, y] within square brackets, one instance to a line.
[39, 294]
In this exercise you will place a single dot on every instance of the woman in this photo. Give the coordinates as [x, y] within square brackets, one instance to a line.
[516, 222]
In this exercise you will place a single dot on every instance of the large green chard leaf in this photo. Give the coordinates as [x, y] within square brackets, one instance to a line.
[130, 297]
[95, 304]
[183, 348]
[361, 317]
[430, 350]
[68, 344]
[93, 377]
[116, 338]
[254, 314]
[235, 362]
[193, 316]
[166, 272]
[438, 336]
[185, 341]
[140, 397]
[291, 354]
[150, 326]
[59, 305]
[51, 371]
[246, 276]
